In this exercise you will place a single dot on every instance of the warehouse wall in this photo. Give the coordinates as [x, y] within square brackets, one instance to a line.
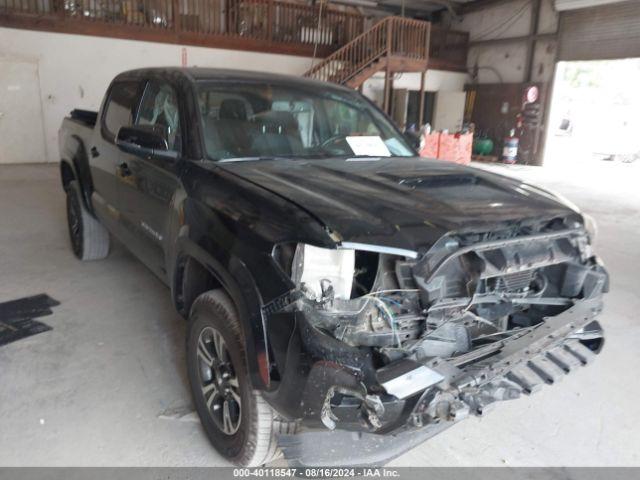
[499, 59]
[507, 62]
[74, 71]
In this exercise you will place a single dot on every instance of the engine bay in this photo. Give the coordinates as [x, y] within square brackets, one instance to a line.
[468, 292]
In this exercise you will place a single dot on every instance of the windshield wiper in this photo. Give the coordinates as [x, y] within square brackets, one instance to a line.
[313, 155]
[305, 156]
[293, 156]
[250, 159]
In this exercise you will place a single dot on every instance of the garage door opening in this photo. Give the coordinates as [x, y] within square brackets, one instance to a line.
[594, 114]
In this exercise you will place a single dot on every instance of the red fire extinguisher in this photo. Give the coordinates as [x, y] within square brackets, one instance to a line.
[510, 149]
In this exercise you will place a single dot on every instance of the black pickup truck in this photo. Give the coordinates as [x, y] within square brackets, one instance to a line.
[333, 280]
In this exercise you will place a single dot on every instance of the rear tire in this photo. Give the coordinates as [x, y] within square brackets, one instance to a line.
[248, 437]
[89, 239]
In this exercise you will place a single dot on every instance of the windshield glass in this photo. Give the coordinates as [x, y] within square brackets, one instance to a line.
[257, 120]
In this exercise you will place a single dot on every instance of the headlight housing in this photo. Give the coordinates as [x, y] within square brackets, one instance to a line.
[345, 272]
[313, 266]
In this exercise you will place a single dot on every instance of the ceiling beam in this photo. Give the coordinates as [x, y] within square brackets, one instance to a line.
[424, 5]
[481, 5]
[523, 38]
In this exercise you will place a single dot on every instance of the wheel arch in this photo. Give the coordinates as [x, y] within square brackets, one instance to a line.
[74, 165]
[67, 173]
[196, 271]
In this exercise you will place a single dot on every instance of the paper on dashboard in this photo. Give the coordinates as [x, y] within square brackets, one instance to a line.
[370, 145]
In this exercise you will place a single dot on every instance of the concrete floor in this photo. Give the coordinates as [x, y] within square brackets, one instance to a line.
[107, 385]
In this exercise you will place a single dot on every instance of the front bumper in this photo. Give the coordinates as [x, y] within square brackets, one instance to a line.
[430, 413]
[334, 395]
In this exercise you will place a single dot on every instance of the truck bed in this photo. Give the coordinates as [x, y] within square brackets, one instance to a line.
[75, 136]
[87, 118]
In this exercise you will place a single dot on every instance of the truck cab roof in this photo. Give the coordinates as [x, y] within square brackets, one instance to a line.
[202, 74]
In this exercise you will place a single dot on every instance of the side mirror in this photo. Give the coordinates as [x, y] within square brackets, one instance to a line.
[146, 141]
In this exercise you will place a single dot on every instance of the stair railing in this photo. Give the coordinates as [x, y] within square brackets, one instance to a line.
[392, 36]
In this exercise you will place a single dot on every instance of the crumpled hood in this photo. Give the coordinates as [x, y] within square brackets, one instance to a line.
[399, 202]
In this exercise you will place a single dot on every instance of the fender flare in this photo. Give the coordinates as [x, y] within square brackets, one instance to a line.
[74, 155]
[238, 283]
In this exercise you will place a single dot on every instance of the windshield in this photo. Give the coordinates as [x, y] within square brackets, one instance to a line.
[245, 121]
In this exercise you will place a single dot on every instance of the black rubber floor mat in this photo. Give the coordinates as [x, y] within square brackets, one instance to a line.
[27, 307]
[16, 317]
[17, 329]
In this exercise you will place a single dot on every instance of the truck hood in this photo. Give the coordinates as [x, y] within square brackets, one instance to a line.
[400, 202]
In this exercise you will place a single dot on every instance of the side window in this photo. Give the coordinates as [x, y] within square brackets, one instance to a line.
[159, 107]
[120, 106]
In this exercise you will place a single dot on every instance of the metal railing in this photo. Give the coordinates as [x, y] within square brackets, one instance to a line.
[392, 36]
[269, 21]
[262, 25]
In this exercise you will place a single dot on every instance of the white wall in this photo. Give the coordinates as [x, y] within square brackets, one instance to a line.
[502, 20]
[506, 20]
[435, 81]
[74, 71]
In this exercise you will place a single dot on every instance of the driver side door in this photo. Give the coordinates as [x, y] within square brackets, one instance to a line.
[147, 184]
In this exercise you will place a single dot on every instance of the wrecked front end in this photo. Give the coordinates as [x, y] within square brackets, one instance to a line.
[388, 341]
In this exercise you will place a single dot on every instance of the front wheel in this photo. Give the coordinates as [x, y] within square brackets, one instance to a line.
[237, 420]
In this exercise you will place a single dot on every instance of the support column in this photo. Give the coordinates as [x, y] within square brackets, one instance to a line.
[387, 88]
[387, 70]
[423, 75]
[531, 40]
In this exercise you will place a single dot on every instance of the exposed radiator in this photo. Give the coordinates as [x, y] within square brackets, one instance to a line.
[517, 281]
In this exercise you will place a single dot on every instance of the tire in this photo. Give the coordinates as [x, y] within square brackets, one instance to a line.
[253, 442]
[89, 239]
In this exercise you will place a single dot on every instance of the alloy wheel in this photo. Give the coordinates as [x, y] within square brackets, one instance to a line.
[218, 381]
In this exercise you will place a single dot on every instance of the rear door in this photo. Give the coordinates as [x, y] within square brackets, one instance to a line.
[21, 128]
[104, 156]
[147, 185]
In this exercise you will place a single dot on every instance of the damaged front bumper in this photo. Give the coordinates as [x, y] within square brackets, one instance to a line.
[472, 324]
[432, 396]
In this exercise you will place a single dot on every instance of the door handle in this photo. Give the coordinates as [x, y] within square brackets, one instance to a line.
[94, 152]
[124, 169]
